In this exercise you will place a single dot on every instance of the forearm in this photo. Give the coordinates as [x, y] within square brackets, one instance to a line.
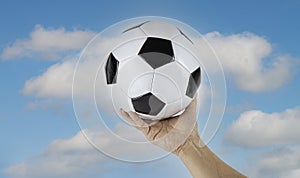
[203, 163]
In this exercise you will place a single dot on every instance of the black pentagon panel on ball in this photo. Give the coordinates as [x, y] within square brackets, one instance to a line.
[111, 69]
[147, 104]
[157, 52]
[194, 82]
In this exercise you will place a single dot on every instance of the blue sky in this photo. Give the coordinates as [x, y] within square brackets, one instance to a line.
[31, 122]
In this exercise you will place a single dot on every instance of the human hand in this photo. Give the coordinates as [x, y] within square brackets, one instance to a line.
[171, 133]
[180, 135]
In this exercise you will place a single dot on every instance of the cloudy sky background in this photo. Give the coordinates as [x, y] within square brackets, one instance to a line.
[257, 43]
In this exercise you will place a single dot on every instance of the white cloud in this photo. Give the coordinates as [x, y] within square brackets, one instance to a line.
[248, 60]
[61, 158]
[48, 43]
[280, 163]
[75, 157]
[294, 173]
[55, 82]
[256, 128]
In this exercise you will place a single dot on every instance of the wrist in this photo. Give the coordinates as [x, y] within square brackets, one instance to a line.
[186, 148]
[192, 143]
[198, 159]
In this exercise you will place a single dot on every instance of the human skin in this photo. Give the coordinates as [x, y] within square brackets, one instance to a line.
[187, 145]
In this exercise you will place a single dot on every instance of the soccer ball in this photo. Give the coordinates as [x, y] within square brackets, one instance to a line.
[154, 71]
